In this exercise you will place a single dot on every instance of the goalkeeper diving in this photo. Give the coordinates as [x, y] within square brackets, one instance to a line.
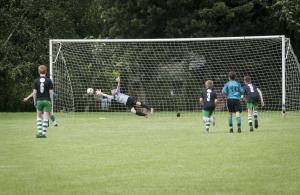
[130, 102]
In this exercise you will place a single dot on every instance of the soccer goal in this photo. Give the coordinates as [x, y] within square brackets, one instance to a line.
[169, 74]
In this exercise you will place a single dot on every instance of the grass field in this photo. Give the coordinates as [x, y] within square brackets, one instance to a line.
[120, 153]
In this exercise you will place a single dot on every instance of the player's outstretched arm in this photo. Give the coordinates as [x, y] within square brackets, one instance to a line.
[201, 101]
[34, 97]
[118, 81]
[100, 93]
[28, 97]
[261, 97]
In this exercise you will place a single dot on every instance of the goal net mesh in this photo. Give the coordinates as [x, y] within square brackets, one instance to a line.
[169, 74]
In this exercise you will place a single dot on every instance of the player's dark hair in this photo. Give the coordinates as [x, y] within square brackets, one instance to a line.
[42, 69]
[247, 79]
[232, 75]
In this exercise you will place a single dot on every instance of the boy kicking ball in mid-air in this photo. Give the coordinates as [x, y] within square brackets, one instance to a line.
[127, 100]
[208, 100]
[233, 92]
[253, 95]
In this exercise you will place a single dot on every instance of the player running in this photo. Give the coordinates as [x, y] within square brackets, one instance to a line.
[233, 92]
[208, 100]
[122, 98]
[253, 95]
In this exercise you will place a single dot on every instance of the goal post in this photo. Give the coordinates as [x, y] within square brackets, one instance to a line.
[169, 74]
[283, 72]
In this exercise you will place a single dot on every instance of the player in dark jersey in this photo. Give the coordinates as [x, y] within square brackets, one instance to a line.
[252, 95]
[208, 101]
[43, 100]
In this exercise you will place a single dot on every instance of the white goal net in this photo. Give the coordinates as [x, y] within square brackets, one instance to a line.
[169, 74]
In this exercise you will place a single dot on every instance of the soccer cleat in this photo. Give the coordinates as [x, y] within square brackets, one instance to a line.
[256, 123]
[251, 129]
[231, 130]
[55, 124]
[41, 136]
[239, 130]
[206, 130]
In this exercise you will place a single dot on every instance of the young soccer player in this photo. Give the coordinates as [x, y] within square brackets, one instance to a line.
[233, 92]
[129, 101]
[43, 100]
[253, 95]
[52, 117]
[208, 100]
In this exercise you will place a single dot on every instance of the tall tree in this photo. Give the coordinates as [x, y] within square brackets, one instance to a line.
[24, 44]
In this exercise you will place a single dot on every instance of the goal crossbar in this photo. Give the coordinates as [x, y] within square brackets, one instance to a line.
[169, 40]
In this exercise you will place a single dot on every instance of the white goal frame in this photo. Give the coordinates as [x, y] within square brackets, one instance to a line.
[52, 58]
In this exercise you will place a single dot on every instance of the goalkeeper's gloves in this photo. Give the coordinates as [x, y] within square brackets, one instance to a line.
[98, 92]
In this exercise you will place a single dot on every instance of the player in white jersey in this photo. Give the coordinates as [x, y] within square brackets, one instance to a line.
[128, 101]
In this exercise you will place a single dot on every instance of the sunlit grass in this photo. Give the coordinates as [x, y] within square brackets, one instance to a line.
[119, 153]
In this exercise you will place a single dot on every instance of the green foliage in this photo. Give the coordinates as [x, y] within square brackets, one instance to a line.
[287, 15]
[27, 26]
[24, 44]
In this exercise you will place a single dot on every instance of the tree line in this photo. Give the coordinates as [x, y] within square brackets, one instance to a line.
[27, 25]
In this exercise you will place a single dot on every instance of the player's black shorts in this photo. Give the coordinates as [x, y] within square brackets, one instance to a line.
[234, 105]
[253, 98]
[131, 102]
[210, 108]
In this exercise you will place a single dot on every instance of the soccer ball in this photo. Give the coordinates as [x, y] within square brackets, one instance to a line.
[90, 91]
